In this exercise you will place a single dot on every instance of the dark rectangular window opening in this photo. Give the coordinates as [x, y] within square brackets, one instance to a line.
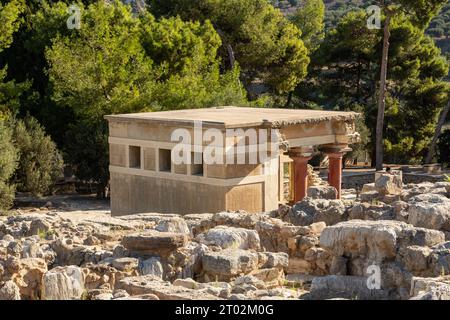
[135, 157]
[165, 163]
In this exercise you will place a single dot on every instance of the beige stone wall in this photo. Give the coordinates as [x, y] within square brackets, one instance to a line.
[233, 171]
[117, 155]
[137, 194]
[149, 159]
[247, 197]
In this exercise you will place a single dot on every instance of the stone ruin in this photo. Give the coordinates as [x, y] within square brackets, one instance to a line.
[319, 248]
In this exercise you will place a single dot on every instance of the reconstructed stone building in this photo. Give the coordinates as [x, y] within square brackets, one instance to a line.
[145, 177]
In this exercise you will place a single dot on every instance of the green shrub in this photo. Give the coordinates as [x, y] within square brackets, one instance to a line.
[6, 196]
[87, 151]
[8, 163]
[40, 163]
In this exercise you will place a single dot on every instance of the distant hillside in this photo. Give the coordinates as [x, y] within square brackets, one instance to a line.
[440, 30]
[439, 27]
[335, 9]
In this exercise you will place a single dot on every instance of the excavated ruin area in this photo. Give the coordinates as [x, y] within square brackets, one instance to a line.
[317, 249]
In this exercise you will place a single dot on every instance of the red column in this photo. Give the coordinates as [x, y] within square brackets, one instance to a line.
[335, 171]
[300, 177]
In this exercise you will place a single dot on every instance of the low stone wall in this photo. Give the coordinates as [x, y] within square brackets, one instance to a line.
[418, 178]
[357, 180]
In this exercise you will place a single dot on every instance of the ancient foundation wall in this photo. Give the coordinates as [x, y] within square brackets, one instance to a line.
[356, 181]
[137, 194]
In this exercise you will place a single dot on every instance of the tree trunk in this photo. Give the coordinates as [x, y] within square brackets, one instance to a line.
[440, 123]
[382, 94]
[231, 58]
[289, 99]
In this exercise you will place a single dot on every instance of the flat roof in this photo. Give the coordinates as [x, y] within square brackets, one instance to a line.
[230, 116]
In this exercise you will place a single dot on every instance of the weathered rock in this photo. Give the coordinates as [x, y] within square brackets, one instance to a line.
[27, 274]
[162, 289]
[369, 196]
[339, 266]
[186, 283]
[299, 265]
[14, 248]
[174, 225]
[152, 266]
[322, 192]
[273, 259]
[430, 288]
[279, 236]
[63, 283]
[317, 227]
[120, 293]
[391, 198]
[148, 296]
[238, 296]
[308, 211]
[367, 211]
[272, 277]
[199, 222]
[154, 242]
[9, 291]
[430, 295]
[249, 280]
[218, 289]
[103, 296]
[320, 260]
[92, 241]
[270, 231]
[125, 264]
[306, 242]
[69, 254]
[239, 219]
[400, 209]
[119, 251]
[117, 223]
[368, 187]
[439, 260]
[8, 238]
[349, 287]
[375, 240]
[228, 263]
[103, 277]
[430, 211]
[31, 250]
[185, 262]
[250, 251]
[416, 259]
[413, 190]
[39, 226]
[245, 289]
[389, 183]
[230, 237]
[163, 222]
